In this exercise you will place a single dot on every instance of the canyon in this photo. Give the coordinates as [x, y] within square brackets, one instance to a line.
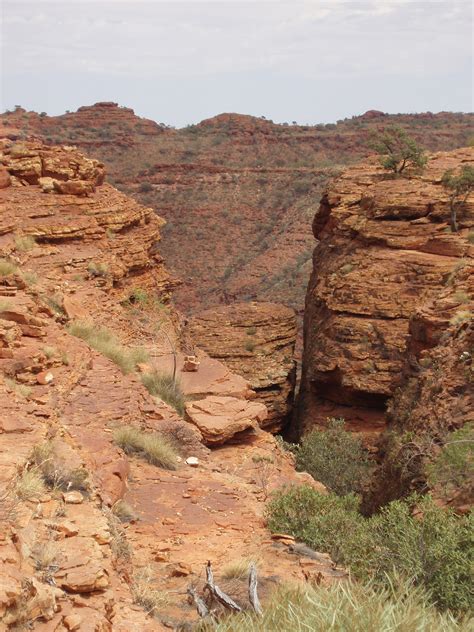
[238, 192]
[213, 293]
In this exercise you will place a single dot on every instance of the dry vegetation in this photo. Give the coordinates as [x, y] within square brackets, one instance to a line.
[150, 446]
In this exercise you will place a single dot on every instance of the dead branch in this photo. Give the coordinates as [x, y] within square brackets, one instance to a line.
[253, 596]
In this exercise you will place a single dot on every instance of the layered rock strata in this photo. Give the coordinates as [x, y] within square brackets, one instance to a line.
[73, 555]
[384, 249]
[257, 341]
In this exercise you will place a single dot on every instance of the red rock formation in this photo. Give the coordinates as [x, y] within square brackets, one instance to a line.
[257, 341]
[238, 192]
[67, 562]
[385, 248]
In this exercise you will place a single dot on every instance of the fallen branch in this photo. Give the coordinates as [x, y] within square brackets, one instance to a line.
[201, 607]
[217, 593]
[253, 596]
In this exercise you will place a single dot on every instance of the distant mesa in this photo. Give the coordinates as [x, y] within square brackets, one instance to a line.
[372, 114]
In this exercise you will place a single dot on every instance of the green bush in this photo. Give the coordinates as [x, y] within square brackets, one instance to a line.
[398, 150]
[453, 468]
[166, 388]
[433, 548]
[334, 457]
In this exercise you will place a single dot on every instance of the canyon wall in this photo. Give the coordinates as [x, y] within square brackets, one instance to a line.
[238, 192]
[88, 530]
[385, 250]
[257, 341]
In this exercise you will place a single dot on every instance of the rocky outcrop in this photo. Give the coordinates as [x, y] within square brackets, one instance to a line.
[385, 248]
[257, 341]
[72, 555]
[238, 192]
[436, 394]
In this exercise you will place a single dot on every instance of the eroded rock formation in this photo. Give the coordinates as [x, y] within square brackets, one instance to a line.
[67, 561]
[238, 192]
[257, 341]
[385, 249]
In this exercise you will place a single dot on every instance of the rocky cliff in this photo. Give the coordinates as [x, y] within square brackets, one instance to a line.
[93, 536]
[257, 341]
[385, 252]
[238, 192]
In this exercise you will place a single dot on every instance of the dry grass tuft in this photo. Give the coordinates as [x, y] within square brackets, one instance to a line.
[345, 607]
[103, 340]
[20, 389]
[55, 474]
[30, 485]
[145, 594]
[123, 511]
[153, 447]
[163, 385]
[7, 267]
[118, 543]
[238, 569]
[23, 243]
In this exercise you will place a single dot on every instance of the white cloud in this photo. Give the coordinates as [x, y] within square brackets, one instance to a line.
[309, 41]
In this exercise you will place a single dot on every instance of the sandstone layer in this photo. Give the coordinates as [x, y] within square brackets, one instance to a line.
[384, 249]
[73, 557]
[257, 341]
[238, 192]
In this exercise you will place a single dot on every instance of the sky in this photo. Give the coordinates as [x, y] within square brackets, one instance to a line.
[181, 62]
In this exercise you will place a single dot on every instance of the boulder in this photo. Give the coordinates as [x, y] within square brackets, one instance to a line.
[220, 419]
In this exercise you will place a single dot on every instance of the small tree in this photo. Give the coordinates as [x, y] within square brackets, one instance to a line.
[398, 150]
[459, 186]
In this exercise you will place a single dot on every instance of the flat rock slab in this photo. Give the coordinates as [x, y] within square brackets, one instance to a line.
[220, 419]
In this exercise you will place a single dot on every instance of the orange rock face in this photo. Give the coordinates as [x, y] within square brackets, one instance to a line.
[72, 556]
[238, 192]
[385, 249]
[257, 341]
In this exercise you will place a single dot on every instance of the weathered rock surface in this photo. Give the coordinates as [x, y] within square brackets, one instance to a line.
[385, 248]
[67, 561]
[436, 394]
[220, 419]
[257, 341]
[239, 192]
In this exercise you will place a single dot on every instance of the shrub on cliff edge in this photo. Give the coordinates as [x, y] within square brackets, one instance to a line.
[412, 538]
[334, 457]
[398, 151]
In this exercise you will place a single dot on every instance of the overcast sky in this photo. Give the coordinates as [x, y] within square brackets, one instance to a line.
[179, 62]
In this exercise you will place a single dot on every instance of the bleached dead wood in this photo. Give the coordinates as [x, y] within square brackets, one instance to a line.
[253, 596]
[201, 607]
[218, 594]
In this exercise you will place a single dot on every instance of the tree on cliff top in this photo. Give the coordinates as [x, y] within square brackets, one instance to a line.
[460, 186]
[398, 150]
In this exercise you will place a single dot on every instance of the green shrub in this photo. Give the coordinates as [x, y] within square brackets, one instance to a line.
[103, 340]
[334, 457]
[433, 549]
[153, 447]
[145, 187]
[342, 607]
[250, 345]
[453, 468]
[164, 386]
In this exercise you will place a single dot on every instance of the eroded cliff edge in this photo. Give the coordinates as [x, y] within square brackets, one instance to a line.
[74, 250]
[385, 250]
